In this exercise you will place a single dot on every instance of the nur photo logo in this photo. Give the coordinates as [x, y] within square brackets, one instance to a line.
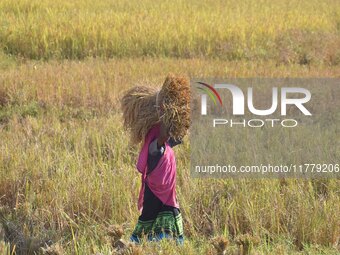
[281, 98]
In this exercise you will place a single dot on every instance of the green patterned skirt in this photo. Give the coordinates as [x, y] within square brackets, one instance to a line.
[164, 226]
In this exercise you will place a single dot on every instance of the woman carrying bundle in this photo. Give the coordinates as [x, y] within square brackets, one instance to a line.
[168, 121]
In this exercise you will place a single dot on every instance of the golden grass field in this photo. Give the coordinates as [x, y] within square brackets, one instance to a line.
[289, 31]
[66, 166]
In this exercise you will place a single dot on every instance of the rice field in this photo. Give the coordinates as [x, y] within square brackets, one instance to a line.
[67, 169]
[288, 31]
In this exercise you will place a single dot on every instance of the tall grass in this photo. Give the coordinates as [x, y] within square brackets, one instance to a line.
[288, 31]
[67, 170]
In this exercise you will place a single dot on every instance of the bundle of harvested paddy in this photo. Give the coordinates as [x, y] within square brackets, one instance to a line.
[175, 95]
[139, 112]
[144, 107]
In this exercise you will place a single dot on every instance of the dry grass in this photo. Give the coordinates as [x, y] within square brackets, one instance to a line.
[66, 168]
[97, 84]
[3, 98]
[67, 171]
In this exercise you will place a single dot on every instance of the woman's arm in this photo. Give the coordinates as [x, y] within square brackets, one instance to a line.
[163, 135]
[157, 148]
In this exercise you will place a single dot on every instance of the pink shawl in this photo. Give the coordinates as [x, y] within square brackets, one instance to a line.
[162, 180]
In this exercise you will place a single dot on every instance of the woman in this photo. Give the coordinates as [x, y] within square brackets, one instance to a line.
[160, 217]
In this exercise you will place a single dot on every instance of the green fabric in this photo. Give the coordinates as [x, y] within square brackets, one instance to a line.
[165, 221]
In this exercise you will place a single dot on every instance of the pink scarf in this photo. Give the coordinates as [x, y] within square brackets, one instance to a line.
[162, 179]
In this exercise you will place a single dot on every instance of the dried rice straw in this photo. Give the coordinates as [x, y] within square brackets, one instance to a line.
[175, 96]
[141, 108]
